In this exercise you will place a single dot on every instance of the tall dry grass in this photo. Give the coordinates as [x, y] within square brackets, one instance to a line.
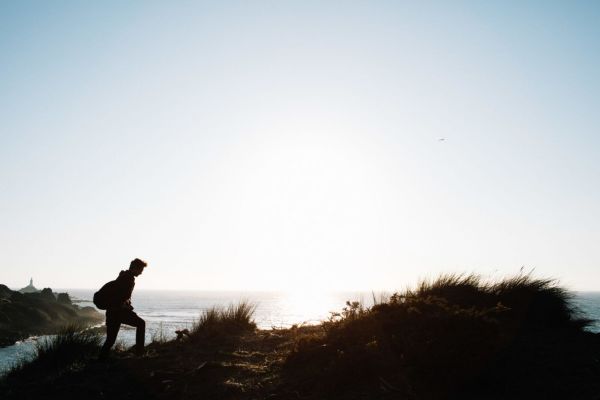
[222, 322]
[437, 338]
[71, 345]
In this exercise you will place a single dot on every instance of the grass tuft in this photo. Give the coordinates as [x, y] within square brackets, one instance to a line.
[160, 336]
[217, 322]
[55, 353]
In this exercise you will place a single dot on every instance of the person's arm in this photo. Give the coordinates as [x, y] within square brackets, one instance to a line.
[129, 292]
[125, 289]
[127, 304]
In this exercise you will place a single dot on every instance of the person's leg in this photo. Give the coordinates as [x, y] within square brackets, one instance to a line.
[131, 318]
[112, 329]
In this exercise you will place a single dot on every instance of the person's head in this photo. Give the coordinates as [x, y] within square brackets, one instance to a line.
[137, 266]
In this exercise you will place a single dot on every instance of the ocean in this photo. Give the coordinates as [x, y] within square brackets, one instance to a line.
[167, 311]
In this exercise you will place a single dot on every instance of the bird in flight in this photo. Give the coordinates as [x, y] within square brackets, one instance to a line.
[442, 139]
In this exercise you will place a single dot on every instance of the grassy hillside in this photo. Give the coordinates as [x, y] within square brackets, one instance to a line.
[454, 338]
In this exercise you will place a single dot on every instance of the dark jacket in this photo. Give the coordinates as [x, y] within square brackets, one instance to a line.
[123, 288]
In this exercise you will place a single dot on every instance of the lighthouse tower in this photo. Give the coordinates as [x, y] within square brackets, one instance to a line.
[30, 288]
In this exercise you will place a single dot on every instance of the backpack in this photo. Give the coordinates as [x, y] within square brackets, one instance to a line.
[105, 297]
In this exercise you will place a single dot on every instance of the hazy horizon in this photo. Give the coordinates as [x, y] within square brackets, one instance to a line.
[255, 291]
[298, 146]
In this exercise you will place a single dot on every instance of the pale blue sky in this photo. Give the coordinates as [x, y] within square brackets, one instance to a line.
[294, 145]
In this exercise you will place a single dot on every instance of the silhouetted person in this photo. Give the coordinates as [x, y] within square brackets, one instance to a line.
[119, 309]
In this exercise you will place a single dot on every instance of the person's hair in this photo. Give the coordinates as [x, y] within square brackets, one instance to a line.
[137, 263]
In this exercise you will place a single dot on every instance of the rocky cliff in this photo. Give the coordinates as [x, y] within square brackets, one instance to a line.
[26, 314]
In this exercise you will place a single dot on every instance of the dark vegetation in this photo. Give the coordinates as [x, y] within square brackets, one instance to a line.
[72, 345]
[26, 314]
[455, 338]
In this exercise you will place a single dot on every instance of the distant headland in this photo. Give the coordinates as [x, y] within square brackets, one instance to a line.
[30, 311]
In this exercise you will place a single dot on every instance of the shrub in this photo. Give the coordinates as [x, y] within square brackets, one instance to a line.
[435, 339]
[533, 303]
